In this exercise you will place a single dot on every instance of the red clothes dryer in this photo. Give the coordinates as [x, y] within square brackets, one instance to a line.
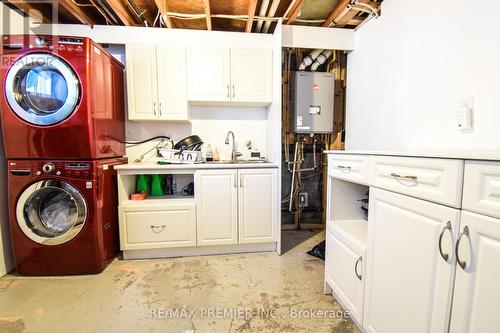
[62, 98]
[63, 215]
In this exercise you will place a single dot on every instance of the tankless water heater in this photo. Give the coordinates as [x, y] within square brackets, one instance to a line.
[312, 102]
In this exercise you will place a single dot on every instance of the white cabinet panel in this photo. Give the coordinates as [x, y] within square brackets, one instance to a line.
[208, 74]
[408, 283]
[258, 202]
[433, 179]
[141, 81]
[482, 187]
[349, 167]
[157, 226]
[216, 202]
[344, 272]
[172, 86]
[251, 75]
[477, 290]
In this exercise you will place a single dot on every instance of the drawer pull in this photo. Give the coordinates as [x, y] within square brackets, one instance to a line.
[396, 175]
[158, 228]
[445, 256]
[343, 167]
[461, 263]
[360, 259]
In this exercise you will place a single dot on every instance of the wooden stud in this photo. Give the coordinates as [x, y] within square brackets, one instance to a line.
[346, 18]
[295, 12]
[162, 7]
[252, 6]
[208, 14]
[121, 11]
[76, 11]
[339, 8]
[29, 10]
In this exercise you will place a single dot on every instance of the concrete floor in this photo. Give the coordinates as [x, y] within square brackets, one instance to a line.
[260, 292]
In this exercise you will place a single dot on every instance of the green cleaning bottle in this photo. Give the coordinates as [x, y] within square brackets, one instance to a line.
[157, 186]
[143, 184]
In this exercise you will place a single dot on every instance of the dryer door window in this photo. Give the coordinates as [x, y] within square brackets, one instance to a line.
[42, 89]
[51, 212]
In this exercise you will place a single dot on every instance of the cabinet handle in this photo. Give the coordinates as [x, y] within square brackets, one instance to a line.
[235, 181]
[158, 228]
[343, 167]
[360, 259]
[445, 256]
[241, 181]
[154, 108]
[234, 91]
[396, 175]
[464, 232]
[159, 108]
[227, 87]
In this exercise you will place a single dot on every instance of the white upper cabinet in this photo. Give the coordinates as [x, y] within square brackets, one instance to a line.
[229, 75]
[141, 81]
[257, 208]
[251, 75]
[156, 82]
[409, 283]
[208, 74]
[476, 297]
[172, 86]
[217, 207]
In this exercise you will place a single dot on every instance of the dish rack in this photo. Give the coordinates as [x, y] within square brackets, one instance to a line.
[179, 156]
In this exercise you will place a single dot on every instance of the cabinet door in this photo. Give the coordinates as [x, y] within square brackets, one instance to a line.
[476, 297]
[251, 75]
[216, 205]
[408, 283]
[141, 82]
[257, 206]
[208, 74]
[344, 274]
[172, 98]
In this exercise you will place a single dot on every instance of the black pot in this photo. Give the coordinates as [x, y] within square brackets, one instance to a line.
[192, 142]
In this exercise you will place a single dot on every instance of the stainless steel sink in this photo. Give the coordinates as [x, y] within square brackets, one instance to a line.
[238, 162]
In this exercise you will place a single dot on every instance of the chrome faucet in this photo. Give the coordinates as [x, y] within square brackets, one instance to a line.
[234, 153]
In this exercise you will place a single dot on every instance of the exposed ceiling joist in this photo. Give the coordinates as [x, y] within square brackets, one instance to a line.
[162, 7]
[347, 18]
[336, 12]
[206, 4]
[252, 6]
[294, 12]
[76, 11]
[121, 11]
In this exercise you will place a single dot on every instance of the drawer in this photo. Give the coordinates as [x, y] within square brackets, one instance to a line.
[432, 179]
[349, 167]
[482, 187]
[157, 227]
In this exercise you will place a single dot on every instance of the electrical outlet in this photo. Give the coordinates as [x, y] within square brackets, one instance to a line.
[464, 114]
[304, 199]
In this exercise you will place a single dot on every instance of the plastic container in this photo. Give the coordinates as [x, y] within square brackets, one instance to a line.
[157, 186]
[143, 184]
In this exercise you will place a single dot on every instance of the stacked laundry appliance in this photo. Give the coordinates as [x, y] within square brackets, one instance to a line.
[62, 116]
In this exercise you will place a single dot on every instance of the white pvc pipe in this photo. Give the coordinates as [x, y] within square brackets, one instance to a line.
[309, 59]
[320, 60]
[262, 12]
[272, 11]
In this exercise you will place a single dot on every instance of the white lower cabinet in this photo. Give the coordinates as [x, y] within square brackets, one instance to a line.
[477, 288]
[236, 206]
[409, 283]
[217, 207]
[344, 272]
[157, 226]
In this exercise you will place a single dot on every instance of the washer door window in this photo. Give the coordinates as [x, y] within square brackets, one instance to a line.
[51, 212]
[42, 89]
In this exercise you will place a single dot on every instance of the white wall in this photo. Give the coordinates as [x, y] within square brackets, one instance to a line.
[411, 67]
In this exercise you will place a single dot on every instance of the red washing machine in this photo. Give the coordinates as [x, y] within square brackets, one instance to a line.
[63, 215]
[62, 98]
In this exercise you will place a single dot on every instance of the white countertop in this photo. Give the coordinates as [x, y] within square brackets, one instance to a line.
[486, 155]
[198, 166]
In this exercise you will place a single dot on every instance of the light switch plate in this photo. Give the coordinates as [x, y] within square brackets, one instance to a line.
[464, 114]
